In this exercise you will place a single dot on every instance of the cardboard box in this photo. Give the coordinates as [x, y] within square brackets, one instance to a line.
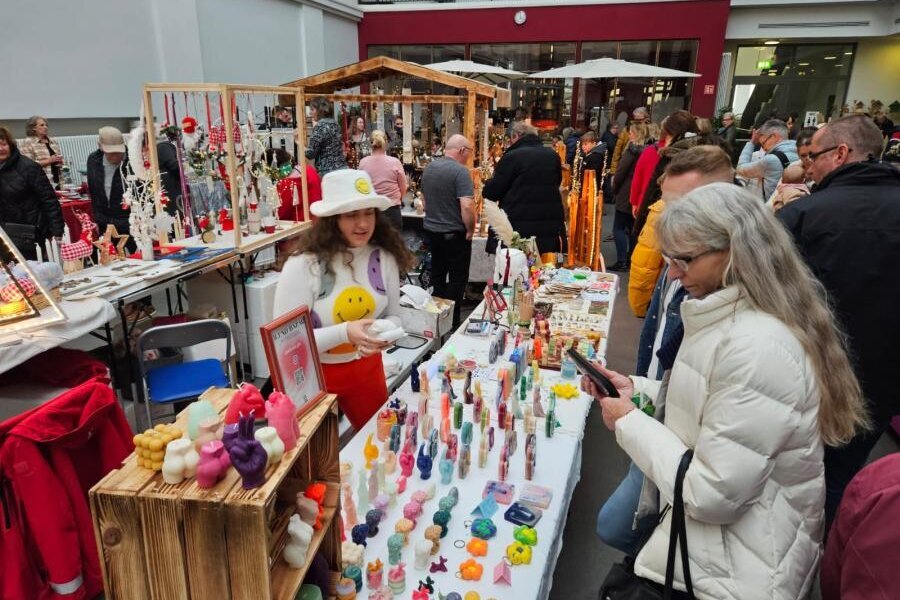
[427, 324]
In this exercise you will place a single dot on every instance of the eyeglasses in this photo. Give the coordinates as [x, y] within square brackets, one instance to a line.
[815, 155]
[684, 262]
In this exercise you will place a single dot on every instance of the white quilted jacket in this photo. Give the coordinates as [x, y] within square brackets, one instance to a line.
[743, 395]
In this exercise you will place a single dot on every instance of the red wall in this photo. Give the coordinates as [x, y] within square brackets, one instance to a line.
[703, 20]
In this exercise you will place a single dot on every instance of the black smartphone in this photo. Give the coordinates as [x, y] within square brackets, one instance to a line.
[600, 380]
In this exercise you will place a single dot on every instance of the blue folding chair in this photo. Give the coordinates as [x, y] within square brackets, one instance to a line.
[187, 380]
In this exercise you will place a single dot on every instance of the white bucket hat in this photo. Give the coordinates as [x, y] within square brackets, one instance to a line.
[346, 190]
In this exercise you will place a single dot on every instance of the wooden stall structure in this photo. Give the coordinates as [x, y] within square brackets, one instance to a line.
[471, 94]
[226, 95]
[179, 542]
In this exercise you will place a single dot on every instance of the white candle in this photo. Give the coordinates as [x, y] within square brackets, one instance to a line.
[54, 245]
[40, 255]
[67, 235]
[48, 250]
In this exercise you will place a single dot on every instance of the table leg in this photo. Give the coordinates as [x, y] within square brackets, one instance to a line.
[137, 394]
[169, 301]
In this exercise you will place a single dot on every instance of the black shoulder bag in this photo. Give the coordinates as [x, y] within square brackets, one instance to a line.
[622, 584]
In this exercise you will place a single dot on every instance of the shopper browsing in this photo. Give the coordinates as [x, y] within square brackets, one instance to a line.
[450, 220]
[387, 175]
[347, 271]
[757, 386]
[43, 149]
[104, 175]
[325, 147]
[848, 230]
[779, 153]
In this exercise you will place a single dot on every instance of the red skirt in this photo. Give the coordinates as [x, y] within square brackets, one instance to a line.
[360, 387]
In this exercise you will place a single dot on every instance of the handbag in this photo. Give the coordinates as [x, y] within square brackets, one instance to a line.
[622, 584]
[22, 235]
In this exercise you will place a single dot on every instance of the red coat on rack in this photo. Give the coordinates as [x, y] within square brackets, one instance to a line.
[285, 187]
[49, 459]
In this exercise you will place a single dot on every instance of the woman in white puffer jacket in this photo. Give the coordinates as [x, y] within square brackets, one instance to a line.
[761, 379]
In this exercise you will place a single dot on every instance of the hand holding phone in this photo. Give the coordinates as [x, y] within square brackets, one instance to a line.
[600, 380]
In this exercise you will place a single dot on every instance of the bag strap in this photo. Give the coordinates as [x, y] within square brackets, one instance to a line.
[678, 533]
[782, 157]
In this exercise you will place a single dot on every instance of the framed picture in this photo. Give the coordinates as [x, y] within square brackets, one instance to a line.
[293, 358]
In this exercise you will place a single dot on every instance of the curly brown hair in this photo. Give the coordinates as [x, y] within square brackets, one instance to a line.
[326, 241]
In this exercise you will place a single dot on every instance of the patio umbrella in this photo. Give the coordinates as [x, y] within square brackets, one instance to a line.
[477, 71]
[602, 68]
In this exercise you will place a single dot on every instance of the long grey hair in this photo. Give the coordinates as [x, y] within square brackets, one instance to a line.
[765, 265]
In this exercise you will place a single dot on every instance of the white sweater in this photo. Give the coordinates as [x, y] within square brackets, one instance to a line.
[368, 288]
[743, 395]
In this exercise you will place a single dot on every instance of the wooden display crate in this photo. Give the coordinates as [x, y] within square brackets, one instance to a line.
[169, 542]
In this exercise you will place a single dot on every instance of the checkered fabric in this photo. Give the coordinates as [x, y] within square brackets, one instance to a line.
[11, 293]
[75, 250]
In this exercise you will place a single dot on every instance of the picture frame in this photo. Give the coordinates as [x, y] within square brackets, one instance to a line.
[293, 358]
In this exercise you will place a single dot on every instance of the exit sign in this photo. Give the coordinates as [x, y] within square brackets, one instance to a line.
[764, 65]
[709, 89]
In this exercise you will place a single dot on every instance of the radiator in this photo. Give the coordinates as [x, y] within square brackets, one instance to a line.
[75, 149]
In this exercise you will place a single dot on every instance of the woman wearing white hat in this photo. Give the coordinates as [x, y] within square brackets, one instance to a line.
[347, 270]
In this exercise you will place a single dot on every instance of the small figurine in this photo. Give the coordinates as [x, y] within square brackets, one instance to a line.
[445, 405]
[530, 457]
[442, 518]
[180, 461]
[433, 443]
[350, 518]
[354, 573]
[345, 589]
[282, 415]
[380, 503]
[501, 415]
[483, 452]
[421, 593]
[403, 527]
[199, 412]
[390, 462]
[446, 469]
[445, 430]
[209, 430]
[485, 418]
[433, 533]
[213, 464]
[359, 533]
[465, 434]
[370, 451]
[373, 518]
[395, 437]
[362, 492]
[375, 574]
[477, 547]
[150, 446]
[491, 437]
[450, 500]
[414, 377]
[384, 422]
[351, 554]
[422, 554]
[537, 408]
[468, 396]
[397, 575]
[428, 585]
[465, 460]
[299, 536]
[423, 462]
[511, 442]
[373, 484]
[424, 386]
[457, 415]
[503, 468]
[395, 545]
[426, 424]
[471, 570]
[390, 488]
[477, 409]
[401, 484]
[438, 567]
[316, 491]
[406, 460]
[453, 447]
[308, 509]
[429, 490]
[246, 401]
[412, 510]
[248, 456]
[271, 443]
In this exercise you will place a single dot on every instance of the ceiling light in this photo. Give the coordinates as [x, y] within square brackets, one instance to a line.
[839, 65]
[848, 54]
[830, 57]
[802, 64]
[771, 43]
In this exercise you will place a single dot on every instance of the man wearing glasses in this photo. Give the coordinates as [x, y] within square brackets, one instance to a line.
[780, 152]
[848, 230]
[449, 197]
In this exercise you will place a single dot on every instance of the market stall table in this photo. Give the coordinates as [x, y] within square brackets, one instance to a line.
[558, 468]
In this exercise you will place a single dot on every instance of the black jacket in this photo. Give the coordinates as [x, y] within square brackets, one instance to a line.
[610, 141]
[526, 184]
[26, 198]
[848, 230]
[621, 185]
[107, 211]
[595, 159]
[170, 175]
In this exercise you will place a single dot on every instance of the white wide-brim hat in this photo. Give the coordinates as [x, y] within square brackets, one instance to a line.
[346, 190]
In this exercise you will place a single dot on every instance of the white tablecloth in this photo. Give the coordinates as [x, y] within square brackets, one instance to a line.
[83, 317]
[558, 468]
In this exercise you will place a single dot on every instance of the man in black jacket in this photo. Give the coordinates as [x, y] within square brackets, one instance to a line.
[526, 185]
[848, 230]
[105, 181]
[29, 210]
